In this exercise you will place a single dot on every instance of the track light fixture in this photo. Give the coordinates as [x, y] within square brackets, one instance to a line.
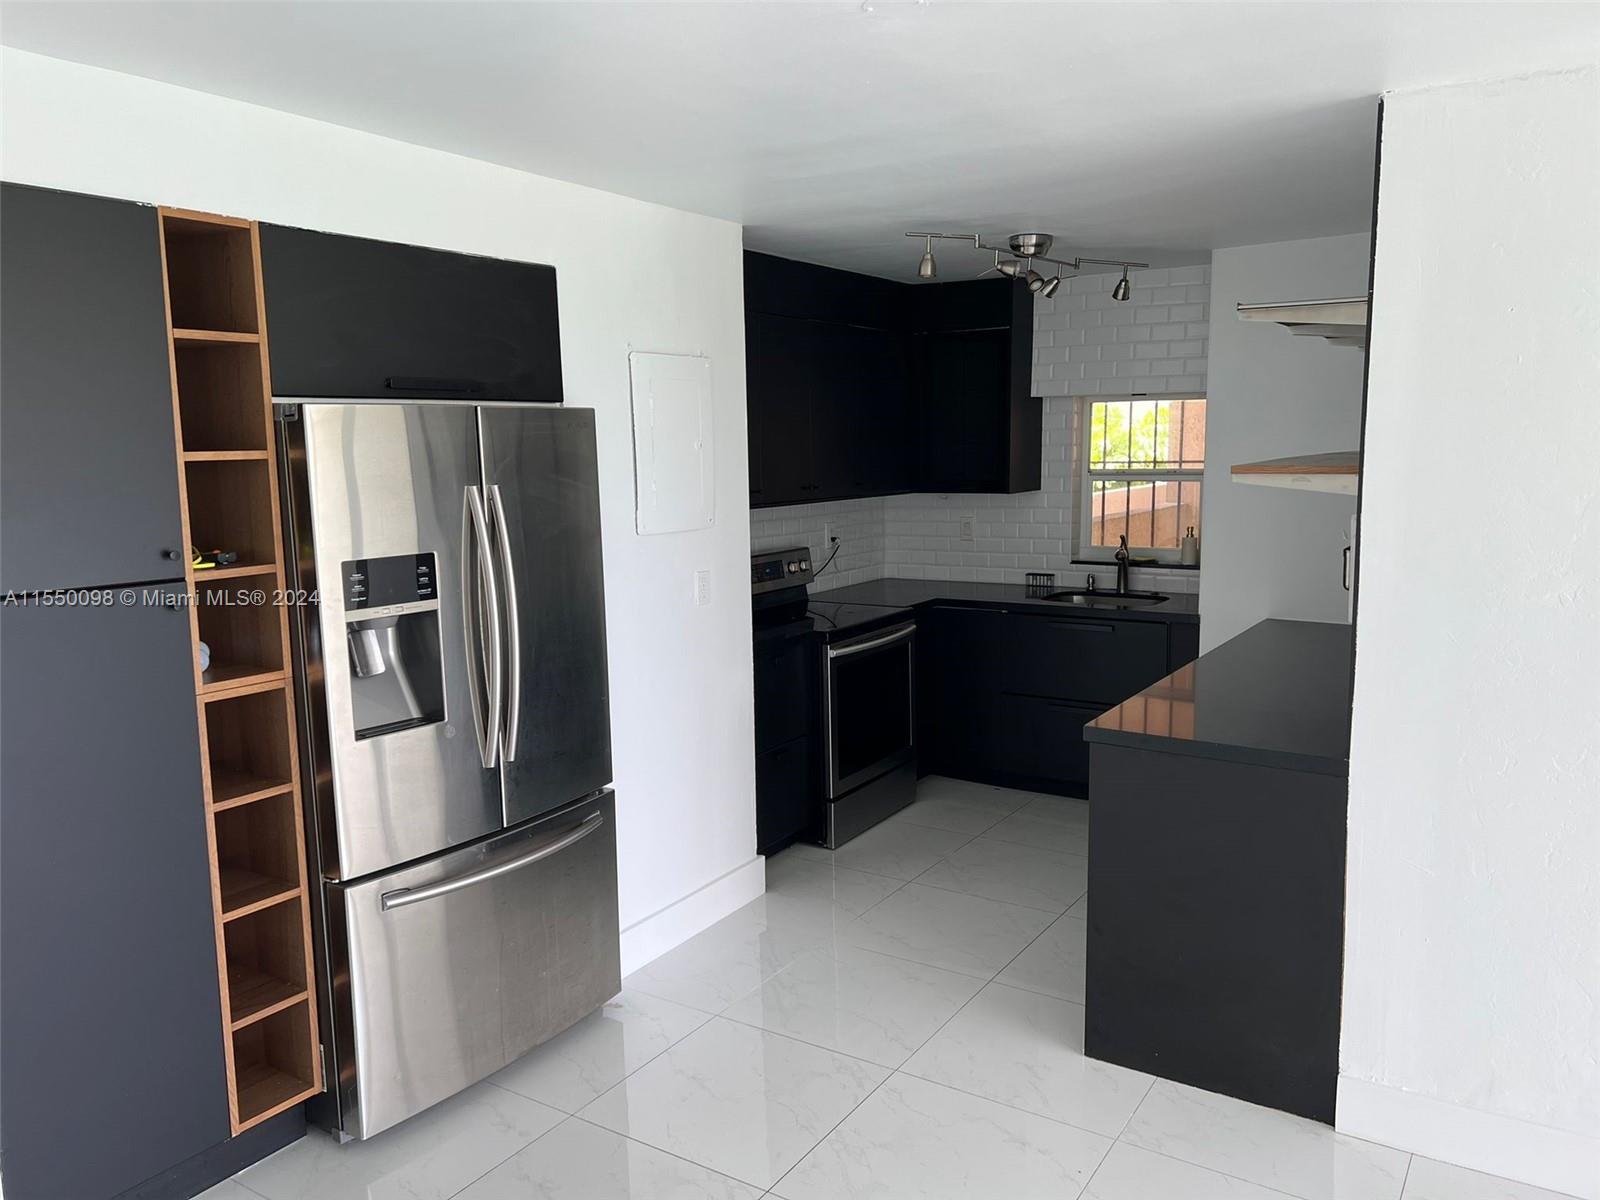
[1028, 249]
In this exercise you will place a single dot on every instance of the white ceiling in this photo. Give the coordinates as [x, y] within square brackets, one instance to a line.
[1153, 130]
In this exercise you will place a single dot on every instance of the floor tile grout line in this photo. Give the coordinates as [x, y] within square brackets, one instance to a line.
[776, 1183]
[1406, 1178]
[669, 1153]
[1016, 1108]
[1265, 1187]
[1058, 912]
[565, 1117]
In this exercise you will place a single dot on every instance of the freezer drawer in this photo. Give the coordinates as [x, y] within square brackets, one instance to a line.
[460, 964]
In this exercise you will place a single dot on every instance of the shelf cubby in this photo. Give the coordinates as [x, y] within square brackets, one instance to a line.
[232, 507]
[275, 1063]
[221, 404]
[257, 856]
[211, 275]
[255, 835]
[246, 738]
[266, 961]
[241, 626]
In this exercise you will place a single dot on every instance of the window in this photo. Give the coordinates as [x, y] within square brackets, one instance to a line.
[1142, 463]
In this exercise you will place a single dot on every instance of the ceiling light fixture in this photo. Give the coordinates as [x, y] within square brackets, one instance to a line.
[1029, 249]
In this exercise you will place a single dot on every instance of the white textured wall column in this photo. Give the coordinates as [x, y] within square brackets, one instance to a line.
[1472, 970]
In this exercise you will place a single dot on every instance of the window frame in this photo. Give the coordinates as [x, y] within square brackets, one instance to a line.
[1087, 551]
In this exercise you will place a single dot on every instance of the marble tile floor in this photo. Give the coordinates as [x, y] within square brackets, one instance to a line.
[901, 1020]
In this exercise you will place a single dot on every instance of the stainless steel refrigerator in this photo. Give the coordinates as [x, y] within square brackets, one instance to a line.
[451, 660]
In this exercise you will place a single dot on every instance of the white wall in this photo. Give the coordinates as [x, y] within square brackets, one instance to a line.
[1472, 970]
[1274, 552]
[856, 524]
[683, 736]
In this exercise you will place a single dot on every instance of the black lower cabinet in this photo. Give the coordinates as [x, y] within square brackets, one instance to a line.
[786, 794]
[111, 1037]
[787, 799]
[1003, 696]
[1216, 925]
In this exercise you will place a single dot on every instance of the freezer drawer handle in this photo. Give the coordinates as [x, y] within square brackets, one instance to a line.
[401, 897]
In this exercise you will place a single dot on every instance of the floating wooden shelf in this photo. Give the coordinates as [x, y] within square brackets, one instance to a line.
[1338, 472]
[222, 423]
[1342, 322]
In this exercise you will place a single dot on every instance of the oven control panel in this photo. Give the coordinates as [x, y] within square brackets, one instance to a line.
[774, 569]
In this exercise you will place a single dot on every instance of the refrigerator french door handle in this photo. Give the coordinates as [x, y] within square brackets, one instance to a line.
[513, 720]
[479, 593]
[401, 897]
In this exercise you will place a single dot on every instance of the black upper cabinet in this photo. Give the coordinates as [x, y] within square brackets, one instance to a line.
[864, 387]
[88, 469]
[351, 317]
[980, 429]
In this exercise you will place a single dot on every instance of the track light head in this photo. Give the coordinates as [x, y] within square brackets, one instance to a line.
[1050, 286]
[1035, 280]
[1121, 292]
[1011, 268]
[927, 268]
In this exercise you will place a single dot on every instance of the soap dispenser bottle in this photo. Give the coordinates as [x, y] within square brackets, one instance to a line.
[1189, 549]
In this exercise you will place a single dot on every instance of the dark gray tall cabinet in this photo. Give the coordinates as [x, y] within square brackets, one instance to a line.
[113, 1079]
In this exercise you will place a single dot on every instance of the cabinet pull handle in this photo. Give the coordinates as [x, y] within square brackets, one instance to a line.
[1084, 626]
[423, 383]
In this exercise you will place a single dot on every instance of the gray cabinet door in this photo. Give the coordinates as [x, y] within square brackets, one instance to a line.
[540, 473]
[112, 1032]
[88, 468]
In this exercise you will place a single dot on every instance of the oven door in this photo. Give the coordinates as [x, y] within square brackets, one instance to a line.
[869, 698]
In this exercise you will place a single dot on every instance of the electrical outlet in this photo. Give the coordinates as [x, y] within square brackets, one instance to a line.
[969, 528]
[702, 587]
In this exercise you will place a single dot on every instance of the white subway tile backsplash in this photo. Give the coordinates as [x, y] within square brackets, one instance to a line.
[1085, 344]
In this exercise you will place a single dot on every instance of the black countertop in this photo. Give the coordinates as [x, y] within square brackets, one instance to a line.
[1180, 608]
[1278, 695]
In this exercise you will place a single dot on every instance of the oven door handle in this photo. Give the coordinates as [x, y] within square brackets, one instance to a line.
[897, 635]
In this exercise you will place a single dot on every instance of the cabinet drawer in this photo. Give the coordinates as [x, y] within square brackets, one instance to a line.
[1080, 659]
[1042, 739]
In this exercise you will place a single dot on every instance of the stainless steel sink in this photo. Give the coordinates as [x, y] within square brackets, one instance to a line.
[1113, 599]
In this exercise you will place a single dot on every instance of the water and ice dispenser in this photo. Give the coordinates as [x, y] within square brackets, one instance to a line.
[392, 626]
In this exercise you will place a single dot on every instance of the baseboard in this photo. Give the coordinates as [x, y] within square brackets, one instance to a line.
[648, 939]
[1558, 1159]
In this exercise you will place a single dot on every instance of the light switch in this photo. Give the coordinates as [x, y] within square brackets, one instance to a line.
[969, 528]
[702, 587]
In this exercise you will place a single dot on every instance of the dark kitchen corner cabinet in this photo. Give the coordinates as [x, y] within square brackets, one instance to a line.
[358, 318]
[860, 386]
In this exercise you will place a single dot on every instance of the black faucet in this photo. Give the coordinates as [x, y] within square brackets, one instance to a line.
[1122, 564]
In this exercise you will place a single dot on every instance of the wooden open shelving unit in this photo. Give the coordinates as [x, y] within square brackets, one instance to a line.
[222, 420]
